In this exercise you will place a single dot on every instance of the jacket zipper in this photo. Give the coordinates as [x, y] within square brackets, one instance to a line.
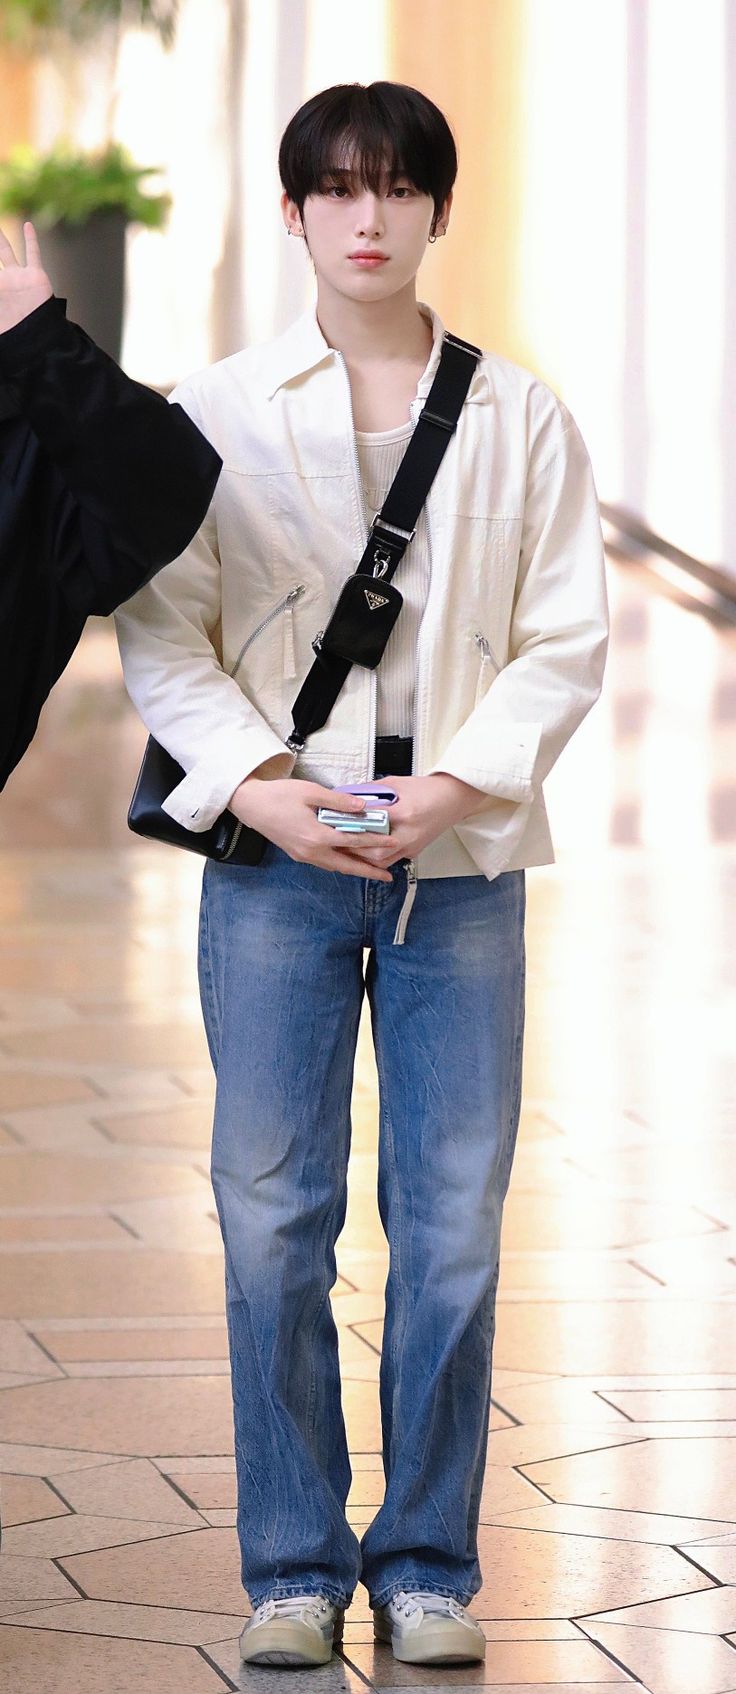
[292, 595]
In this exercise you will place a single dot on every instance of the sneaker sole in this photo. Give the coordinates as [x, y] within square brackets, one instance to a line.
[288, 1643]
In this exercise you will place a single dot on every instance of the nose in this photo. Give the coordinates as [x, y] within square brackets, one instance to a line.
[368, 214]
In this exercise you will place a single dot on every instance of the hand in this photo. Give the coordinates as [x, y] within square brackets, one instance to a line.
[284, 809]
[426, 807]
[22, 287]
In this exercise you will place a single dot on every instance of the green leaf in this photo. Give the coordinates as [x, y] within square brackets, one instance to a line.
[28, 23]
[64, 185]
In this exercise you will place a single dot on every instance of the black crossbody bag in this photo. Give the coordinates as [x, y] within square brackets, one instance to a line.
[357, 632]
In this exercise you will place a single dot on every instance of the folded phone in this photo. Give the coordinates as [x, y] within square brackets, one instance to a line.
[374, 819]
[374, 791]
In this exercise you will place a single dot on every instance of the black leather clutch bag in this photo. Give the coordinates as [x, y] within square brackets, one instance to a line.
[229, 841]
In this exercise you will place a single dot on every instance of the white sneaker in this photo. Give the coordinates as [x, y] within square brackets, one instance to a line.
[300, 1629]
[426, 1629]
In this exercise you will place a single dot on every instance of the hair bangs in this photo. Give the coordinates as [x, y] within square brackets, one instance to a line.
[372, 134]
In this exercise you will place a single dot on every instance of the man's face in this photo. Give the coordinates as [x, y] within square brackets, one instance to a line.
[346, 218]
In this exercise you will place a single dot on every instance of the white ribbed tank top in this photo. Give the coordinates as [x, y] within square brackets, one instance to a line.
[379, 454]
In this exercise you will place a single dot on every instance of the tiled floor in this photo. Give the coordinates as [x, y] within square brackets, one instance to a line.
[609, 1517]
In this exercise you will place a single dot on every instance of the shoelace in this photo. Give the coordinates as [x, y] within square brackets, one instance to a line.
[412, 1602]
[291, 1605]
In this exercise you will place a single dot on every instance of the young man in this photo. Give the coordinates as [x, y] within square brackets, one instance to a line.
[496, 657]
[101, 483]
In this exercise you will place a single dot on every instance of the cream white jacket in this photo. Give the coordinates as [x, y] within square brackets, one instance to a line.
[513, 640]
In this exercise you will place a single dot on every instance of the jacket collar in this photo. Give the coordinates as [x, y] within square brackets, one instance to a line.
[303, 346]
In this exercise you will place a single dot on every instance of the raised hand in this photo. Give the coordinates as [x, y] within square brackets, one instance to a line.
[22, 287]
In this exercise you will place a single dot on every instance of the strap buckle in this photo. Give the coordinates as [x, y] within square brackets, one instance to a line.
[465, 346]
[382, 555]
[406, 534]
[434, 417]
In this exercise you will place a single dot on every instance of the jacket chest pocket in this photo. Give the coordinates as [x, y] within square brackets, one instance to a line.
[489, 666]
[284, 612]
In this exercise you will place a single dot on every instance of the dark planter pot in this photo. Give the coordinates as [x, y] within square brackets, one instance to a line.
[86, 265]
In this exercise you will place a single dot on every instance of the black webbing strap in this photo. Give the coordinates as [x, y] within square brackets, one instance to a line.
[394, 526]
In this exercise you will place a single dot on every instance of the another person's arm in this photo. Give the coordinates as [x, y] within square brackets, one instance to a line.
[137, 472]
[101, 483]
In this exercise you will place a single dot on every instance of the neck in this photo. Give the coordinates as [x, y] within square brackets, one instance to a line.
[368, 331]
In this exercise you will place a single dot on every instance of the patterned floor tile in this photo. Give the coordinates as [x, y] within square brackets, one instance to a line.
[665, 1530]
[187, 1125]
[105, 1179]
[137, 1623]
[711, 1612]
[669, 1661]
[123, 1045]
[662, 1405]
[505, 1661]
[687, 1476]
[125, 1281]
[31, 1088]
[199, 1571]
[76, 1345]
[24, 1579]
[131, 1416]
[76, 1533]
[24, 1499]
[50, 1231]
[131, 1488]
[577, 1337]
[42, 1662]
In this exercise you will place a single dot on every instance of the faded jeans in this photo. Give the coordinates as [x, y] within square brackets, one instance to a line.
[281, 969]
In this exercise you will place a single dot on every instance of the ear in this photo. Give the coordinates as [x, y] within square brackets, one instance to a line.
[290, 214]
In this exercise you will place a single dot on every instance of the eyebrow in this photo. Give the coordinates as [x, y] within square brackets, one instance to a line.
[351, 176]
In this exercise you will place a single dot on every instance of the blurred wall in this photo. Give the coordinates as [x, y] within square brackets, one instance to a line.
[592, 235]
[16, 101]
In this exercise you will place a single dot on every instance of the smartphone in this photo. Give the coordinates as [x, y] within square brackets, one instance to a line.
[374, 819]
[373, 790]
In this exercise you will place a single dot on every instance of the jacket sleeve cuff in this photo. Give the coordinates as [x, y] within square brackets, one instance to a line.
[203, 795]
[496, 757]
[32, 337]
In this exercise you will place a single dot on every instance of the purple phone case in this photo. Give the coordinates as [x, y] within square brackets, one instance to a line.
[369, 788]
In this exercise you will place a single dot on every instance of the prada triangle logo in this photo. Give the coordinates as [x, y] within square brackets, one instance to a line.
[375, 600]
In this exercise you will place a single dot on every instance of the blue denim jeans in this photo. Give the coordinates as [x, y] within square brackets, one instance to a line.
[281, 969]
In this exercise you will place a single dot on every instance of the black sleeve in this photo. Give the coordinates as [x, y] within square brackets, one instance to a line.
[139, 472]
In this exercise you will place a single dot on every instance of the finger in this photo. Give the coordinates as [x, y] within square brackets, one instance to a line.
[353, 865]
[7, 256]
[336, 802]
[33, 251]
[369, 850]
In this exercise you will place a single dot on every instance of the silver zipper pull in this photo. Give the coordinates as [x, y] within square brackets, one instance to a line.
[409, 897]
[486, 648]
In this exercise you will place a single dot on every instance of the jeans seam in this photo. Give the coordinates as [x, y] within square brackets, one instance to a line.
[285, 1590]
[399, 1266]
[399, 1585]
[324, 1299]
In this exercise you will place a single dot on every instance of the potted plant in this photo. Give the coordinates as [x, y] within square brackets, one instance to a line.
[81, 205]
[82, 202]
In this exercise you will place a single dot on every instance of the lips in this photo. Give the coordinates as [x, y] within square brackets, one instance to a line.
[370, 258]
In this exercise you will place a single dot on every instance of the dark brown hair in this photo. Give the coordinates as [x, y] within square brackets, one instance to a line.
[383, 126]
